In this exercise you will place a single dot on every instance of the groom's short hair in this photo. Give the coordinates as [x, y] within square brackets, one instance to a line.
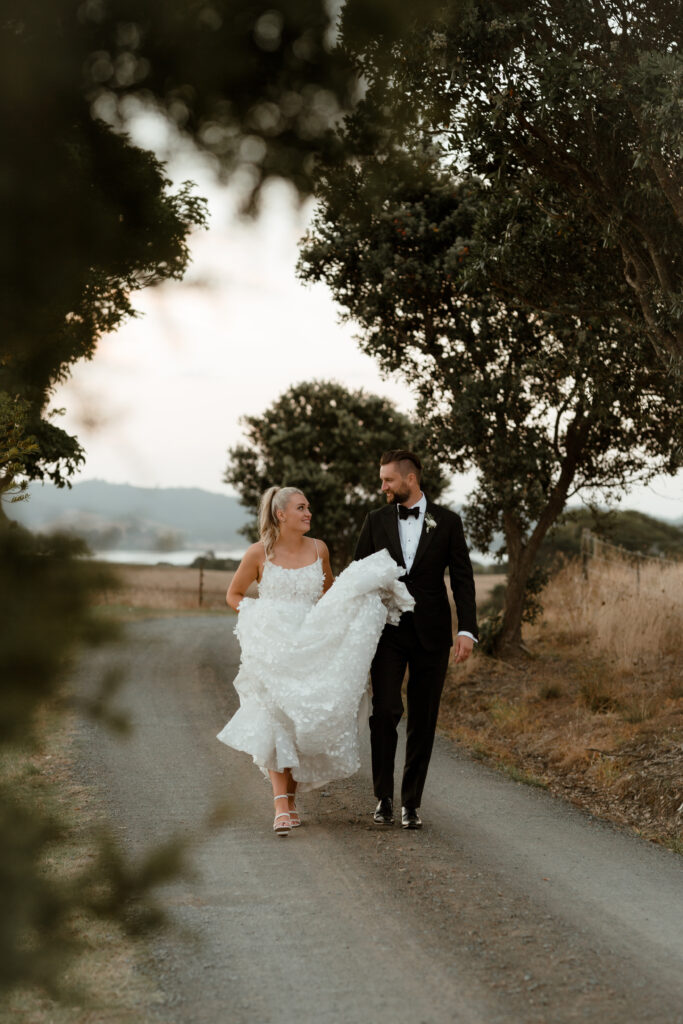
[408, 462]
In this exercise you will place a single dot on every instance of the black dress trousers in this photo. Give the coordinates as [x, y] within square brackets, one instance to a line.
[399, 648]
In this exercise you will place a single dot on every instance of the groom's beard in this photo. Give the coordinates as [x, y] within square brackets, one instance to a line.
[399, 496]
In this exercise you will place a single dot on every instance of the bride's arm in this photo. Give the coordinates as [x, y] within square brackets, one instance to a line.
[247, 572]
[327, 568]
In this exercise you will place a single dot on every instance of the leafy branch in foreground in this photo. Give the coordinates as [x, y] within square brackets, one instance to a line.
[47, 617]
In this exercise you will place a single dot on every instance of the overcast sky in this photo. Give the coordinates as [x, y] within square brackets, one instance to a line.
[160, 403]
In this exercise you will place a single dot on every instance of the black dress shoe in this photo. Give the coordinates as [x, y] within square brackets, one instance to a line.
[410, 818]
[384, 812]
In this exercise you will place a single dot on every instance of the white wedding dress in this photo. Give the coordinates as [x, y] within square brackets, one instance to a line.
[305, 663]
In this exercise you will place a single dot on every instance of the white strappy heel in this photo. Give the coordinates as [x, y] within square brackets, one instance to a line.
[282, 825]
[294, 816]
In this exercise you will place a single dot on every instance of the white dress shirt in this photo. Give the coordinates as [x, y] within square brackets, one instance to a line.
[409, 532]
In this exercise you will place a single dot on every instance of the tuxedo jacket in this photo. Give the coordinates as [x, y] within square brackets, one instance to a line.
[439, 549]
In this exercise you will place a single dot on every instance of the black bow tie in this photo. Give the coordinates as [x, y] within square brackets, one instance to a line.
[406, 513]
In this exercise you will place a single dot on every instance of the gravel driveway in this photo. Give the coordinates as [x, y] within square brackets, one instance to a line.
[510, 906]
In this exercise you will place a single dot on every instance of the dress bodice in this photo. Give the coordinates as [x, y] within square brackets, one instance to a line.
[301, 585]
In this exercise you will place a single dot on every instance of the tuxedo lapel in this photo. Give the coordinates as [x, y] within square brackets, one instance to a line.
[391, 528]
[426, 535]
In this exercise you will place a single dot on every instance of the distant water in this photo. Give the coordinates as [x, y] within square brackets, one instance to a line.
[181, 558]
[187, 556]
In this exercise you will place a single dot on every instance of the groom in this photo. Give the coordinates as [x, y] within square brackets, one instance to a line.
[426, 539]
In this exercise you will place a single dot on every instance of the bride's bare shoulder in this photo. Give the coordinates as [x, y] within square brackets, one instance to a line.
[254, 553]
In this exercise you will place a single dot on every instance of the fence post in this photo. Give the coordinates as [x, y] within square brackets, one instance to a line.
[585, 544]
[201, 581]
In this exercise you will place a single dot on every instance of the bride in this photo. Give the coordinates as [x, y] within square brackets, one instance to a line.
[306, 651]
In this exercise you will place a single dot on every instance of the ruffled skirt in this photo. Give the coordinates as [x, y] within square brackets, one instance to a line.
[303, 676]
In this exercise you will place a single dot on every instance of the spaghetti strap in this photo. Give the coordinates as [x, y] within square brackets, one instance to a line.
[316, 547]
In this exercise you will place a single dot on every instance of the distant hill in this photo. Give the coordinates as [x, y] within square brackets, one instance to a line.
[632, 530]
[123, 517]
[111, 516]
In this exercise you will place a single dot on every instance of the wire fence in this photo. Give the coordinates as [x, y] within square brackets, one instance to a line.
[597, 549]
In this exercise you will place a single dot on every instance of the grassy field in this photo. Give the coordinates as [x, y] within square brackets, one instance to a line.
[169, 588]
[595, 714]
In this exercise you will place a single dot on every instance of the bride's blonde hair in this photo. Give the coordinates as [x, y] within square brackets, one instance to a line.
[273, 500]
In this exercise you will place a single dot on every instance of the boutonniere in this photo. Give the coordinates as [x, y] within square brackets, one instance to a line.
[430, 522]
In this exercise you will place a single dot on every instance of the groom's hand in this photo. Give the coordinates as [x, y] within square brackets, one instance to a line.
[463, 648]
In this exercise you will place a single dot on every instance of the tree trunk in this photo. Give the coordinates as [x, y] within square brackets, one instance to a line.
[509, 640]
[522, 554]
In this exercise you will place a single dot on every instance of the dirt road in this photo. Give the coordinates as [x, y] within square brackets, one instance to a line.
[510, 906]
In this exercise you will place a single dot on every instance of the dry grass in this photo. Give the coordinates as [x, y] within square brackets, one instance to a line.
[596, 712]
[167, 588]
[485, 584]
[634, 619]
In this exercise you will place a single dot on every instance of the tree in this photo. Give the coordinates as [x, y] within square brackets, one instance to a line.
[327, 440]
[87, 218]
[541, 405]
[583, 96]
[117, 228]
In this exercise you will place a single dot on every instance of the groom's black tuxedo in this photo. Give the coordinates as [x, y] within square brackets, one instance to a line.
[421, 642]
[441, 548]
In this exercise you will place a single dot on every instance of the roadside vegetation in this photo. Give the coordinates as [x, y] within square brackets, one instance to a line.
[595, 712]
[103, 982]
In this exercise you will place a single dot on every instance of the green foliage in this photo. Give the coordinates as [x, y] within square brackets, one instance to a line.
[490, 569]
[91, 221]
[209, 561]
[495, 601]
[541, 403]
[16, 447]
[86, 218]
[579, 100]
[492, 610]
[327, 440]
[490, 632]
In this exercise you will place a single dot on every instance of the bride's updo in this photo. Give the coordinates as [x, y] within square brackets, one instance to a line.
[273, 500]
